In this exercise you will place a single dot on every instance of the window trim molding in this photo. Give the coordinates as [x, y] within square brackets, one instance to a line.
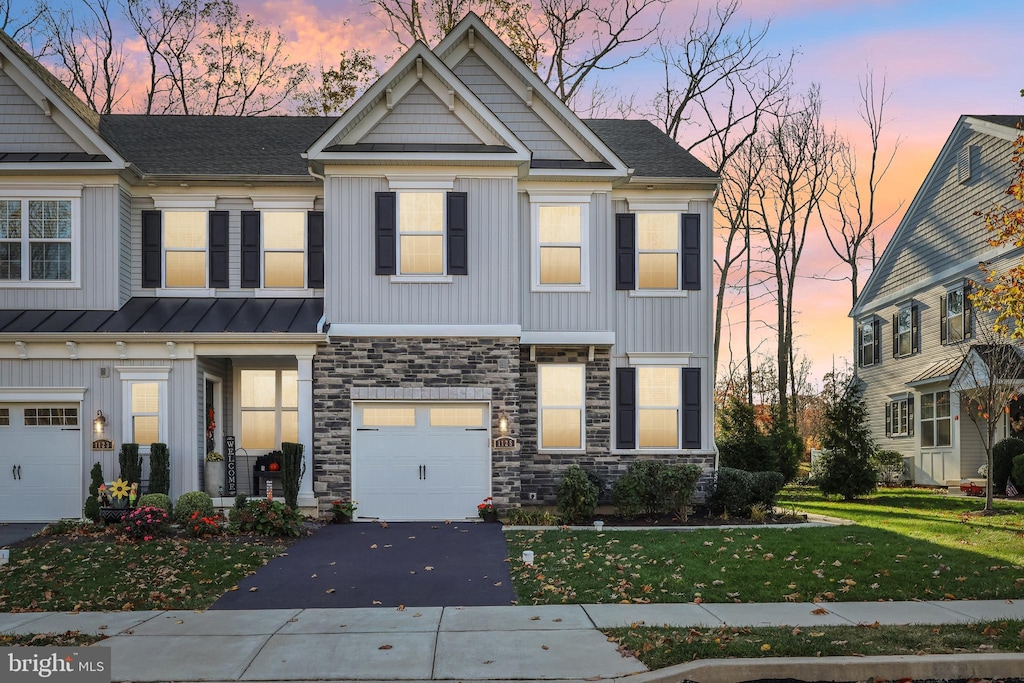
[164, 289]
[130, 375]
[934, 420]
[678, 408]
[421, 187]
[280, 207]
[678, 251]
[539, 199]
[71, 194]
[277, 411]
[582, 408]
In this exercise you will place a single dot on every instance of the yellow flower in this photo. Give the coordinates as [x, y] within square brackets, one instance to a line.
[119, 489]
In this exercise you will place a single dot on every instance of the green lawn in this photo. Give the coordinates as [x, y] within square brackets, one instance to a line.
[661, 647]
[90, 573]
[906, 545]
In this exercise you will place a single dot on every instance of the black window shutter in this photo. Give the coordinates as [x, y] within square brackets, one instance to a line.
[895, 336]
[219, 249]
[315, 249]
[968, 312]
[458, 233]
[877, 324]
[888, 418]
[625, 251]
[152, 248]
[915, 326]
[942, 319]
[384, 233]
[910, 415]
[691, 407]
[860, 345]
[250, 249]
[691, 251]
[625, 407]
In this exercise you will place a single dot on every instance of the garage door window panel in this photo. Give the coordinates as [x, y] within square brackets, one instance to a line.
[562, 394]
[5, 417]
[269, 408]
[51, 417]
[457, 416]
[389, 417]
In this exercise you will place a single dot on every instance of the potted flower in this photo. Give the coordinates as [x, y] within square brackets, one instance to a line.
[486, 510]
[117, 499]
[343, 510]
[215, 474]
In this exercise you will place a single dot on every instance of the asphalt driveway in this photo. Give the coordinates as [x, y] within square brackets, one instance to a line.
[12, 533]
[421, 564]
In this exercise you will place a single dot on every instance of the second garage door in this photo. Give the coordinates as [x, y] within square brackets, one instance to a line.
[420, 461]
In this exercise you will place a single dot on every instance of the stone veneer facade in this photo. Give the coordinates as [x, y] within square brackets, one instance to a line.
[410, 368]
[542, 471]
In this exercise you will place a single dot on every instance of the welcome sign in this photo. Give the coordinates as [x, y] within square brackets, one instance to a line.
[55, 664]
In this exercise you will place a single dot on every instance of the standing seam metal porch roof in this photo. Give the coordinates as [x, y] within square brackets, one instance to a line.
[175, 315]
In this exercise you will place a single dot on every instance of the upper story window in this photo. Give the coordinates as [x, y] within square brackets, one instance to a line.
[905, 331]
[284, 248]
[869, 343]
[38, 241]
[657, 252]
[561, 243]
[561, 392]
[185, 249]
[936, 420]
[421, 234]
[956, 319]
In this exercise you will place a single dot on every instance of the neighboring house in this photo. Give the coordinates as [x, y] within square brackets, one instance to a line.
[914, 320]
[457, 254]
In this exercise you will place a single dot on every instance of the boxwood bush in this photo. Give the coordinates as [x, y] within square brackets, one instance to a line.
[577, 495]
[194, 501]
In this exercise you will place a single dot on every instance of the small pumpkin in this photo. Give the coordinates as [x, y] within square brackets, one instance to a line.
[274, 466]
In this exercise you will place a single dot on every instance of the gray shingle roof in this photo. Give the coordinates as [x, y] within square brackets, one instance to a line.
[1008, 120]
[169, 315]
[647, 150]
[214, 145]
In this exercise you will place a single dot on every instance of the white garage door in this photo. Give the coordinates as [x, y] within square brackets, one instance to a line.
[40, 462]
[420, 461]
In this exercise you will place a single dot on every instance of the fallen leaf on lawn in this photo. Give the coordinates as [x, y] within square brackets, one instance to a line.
[329, 590]
[253, 589]
[765, 647]
[820, 610]
[377, 602]
[816, 634]
[797, 631]
[874, 625]
[544, 647]
[401, 608]
[384, 647]
[127, 607]
[233, 588]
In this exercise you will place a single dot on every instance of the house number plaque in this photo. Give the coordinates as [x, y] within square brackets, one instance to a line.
[103, 445]
[505, 443]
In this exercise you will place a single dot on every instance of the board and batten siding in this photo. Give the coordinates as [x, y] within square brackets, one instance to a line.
[25, 128]
[124, 247]
[420, 117]
[943, 228]
[105, 393]
[488, 295]
[99, 259]
[511, 110]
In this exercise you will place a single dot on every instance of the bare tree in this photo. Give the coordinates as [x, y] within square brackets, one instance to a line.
[88, 51]
[990, 377]
[18, 23]
[852, 224]
[169, 29]
[336, 87]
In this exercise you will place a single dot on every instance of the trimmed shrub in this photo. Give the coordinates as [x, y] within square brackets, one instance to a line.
[628, 493]
[240, 501]
[577, 495]
[653, 489]
[292, 469]
[888, 466]
[193, 501]
[1018, 469]
[846, 475]
[159, 469]
[159, 500]
[92, 503]
[269, 518]
[145, 523]
[1003, 454]
[131, 463]
[764, 488]
[732, 494]
[680, 485]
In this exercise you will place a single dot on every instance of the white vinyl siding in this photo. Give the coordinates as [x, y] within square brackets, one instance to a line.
[562, 391]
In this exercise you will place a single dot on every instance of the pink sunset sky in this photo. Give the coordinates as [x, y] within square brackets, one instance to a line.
[941, 59]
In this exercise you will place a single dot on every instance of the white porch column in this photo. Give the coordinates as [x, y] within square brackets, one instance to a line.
[305, 371]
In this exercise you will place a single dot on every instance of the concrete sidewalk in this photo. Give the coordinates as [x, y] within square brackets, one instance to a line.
[468, 643]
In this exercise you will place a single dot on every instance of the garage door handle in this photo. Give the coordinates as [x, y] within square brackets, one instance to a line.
[19, 472]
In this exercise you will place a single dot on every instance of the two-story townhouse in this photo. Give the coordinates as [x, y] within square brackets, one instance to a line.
[914, 321]
[457, 258]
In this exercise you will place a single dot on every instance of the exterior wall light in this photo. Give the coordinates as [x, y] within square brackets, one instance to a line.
[99, 423]
[503, 423]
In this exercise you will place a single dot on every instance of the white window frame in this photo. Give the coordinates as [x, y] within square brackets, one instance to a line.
[934, 420]
[424, 277]
[678, 251]
[264, 250]
[582, 407]
[277, 411]
[583, 202]
[909, 351]
[678, 408]
[867, 342]
[164, 251]
[74, 196]
[959, 290]
[143, 375]
[900, 417]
